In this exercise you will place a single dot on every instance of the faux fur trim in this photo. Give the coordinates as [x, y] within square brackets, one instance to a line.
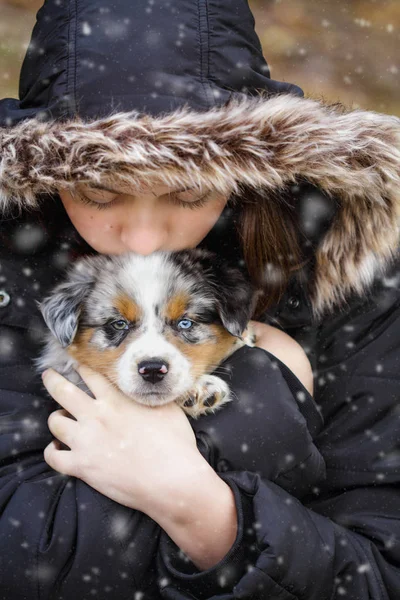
[352, 155]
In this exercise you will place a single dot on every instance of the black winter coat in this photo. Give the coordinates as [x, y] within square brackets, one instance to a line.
[316, 481]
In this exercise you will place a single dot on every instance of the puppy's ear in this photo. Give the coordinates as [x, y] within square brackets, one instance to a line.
[236, 299]
[62, 308]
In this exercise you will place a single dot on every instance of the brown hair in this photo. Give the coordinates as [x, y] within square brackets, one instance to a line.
[267, 226]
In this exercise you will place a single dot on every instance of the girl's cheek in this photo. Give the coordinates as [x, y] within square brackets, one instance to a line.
[101, 228]
[105, 226]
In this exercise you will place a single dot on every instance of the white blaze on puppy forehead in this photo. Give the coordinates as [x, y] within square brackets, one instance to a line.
[149, 280]
[146, 280]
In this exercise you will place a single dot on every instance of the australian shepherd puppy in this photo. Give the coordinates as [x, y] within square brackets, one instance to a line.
[156, 326]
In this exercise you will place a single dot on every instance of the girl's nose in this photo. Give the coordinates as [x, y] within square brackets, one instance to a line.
[145, 229]
[143, 240]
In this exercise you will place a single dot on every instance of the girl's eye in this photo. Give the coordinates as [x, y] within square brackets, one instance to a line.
[186, 198]
[185, 324]
[120, 325]
[101, 205]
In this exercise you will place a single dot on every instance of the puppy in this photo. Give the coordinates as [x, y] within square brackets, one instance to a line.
[156, 326]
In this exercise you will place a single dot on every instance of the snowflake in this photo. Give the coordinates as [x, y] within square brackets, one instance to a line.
[389, 543]
[45, 572]
[6, 346]
[86, 29]
[362, 22]
[301, 397]
[119, 526]
[363, 568]
[163, 582]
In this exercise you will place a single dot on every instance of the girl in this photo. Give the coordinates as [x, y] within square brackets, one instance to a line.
[158, 127]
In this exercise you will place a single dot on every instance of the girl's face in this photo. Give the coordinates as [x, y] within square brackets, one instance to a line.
[159, 218]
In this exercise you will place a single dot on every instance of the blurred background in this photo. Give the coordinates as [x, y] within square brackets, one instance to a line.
[346, 50]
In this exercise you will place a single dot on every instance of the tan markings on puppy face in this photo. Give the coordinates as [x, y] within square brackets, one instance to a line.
[176, 307]
[127, 308]
[205, 357]
[103, 361]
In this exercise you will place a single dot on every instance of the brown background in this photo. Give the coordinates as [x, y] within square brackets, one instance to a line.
[346, 50]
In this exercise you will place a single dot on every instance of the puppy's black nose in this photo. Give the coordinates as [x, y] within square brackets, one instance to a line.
[153, 370]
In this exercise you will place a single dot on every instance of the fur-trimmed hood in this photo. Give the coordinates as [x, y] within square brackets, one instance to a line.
[351, 155]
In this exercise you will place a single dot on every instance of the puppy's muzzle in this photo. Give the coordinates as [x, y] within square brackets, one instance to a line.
[153, 370]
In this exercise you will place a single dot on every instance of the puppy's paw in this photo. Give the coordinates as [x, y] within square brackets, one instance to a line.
[208, 395]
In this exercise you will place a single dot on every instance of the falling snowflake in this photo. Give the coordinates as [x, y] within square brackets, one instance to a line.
[86, 29]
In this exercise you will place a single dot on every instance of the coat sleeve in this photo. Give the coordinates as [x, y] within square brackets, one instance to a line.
[341, 540]
[287, 551]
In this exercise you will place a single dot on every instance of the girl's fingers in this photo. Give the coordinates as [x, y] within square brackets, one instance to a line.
[62, 427]
[68, 395]
[62, 461]
[96, 382]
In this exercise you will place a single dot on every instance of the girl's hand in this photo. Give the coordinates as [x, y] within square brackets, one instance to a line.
[132, 453]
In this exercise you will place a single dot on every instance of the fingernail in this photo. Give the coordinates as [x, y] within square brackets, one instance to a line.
[44, 373]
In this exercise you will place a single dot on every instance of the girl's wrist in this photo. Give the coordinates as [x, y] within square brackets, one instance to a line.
[172, 498]
[200, 517]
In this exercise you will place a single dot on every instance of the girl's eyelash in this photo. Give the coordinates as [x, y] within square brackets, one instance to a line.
[196, 204]
[99, 205]
[104, 205]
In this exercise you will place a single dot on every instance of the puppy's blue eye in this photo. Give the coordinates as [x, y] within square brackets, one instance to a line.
[185, 324]
[119, 325]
